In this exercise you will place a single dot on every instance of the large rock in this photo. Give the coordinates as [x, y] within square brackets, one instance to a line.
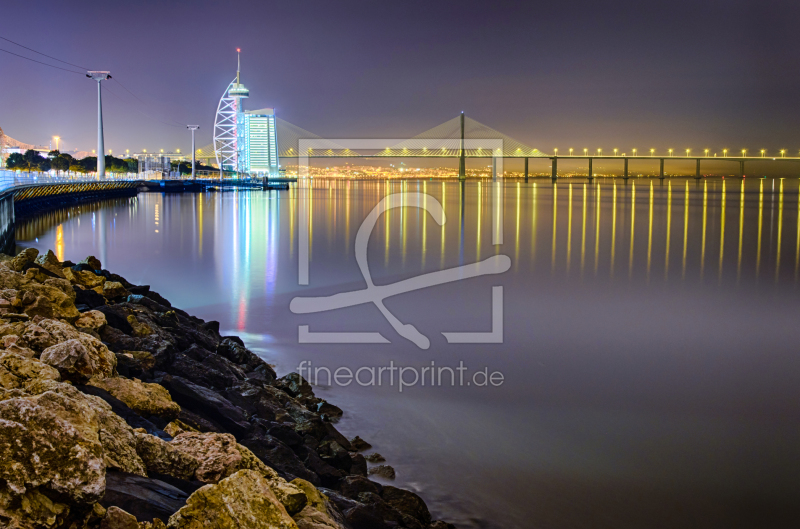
[142, 397]
[17, 370]
[74, 361]
[113, 289]
[93, 320]
[114, 433]
[208, 403]
[165, 458]
[51, 442]
[145, 498]
[220, 456]
[24, 257]
[116, 518]
[59, 332]
[243, 500]
[407, 503]
[50, 262]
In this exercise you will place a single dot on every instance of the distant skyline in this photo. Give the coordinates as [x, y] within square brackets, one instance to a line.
[680, 74]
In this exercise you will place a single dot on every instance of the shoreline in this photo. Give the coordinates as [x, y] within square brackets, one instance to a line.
[176, 424]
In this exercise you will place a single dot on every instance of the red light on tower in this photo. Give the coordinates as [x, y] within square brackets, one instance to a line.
[238, 50]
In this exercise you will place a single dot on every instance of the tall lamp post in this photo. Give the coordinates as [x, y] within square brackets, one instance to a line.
[101, 151]
[192, 128]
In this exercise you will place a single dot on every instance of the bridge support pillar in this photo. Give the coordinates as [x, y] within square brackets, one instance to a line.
[625, 172]
[526, 170]
[462, 165]
[591, 174]
[661, 170]
[697, 171]
[554, 168]
[741, 169]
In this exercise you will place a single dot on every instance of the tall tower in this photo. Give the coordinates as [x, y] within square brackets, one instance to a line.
[239, 92]
[101, 151]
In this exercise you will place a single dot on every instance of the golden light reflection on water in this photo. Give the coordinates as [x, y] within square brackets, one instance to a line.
[685, 229]
[583, 232]
[669, 230]
[613, 230]
[722, 232]
[705, 223]
[760, 222]
[555, 224]
[339, 208]
[597, 231]
[633, 229]
[741, 235]
[650, 233]
[780, 233]
[569, 231]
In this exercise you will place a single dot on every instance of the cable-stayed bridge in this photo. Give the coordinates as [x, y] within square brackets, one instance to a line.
[441, 141]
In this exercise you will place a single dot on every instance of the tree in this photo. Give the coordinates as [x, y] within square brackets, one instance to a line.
[15, 161]
[32, 159]
[60, 163]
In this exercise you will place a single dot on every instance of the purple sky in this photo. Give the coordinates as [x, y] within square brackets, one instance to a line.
[551, 74]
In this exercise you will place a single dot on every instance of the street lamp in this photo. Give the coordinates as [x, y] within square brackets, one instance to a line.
[615, 152]
[556, 151]
[687, 152]
[634, 152]
[599, 151]
[57, 138]
[585, 152]
[763, 151]
[570, 151]
[706, 153]
[744, 152]
[670, 152]
[652, 151]
[783, 153]
[725, 153]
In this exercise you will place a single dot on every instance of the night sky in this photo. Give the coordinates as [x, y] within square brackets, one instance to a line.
[551, 74]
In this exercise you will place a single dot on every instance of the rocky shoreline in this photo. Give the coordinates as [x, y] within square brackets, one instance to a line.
[119, 411]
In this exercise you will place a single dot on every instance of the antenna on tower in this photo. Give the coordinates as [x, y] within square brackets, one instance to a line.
[238, 63]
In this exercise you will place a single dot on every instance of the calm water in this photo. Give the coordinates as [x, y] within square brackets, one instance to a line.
[650, 348]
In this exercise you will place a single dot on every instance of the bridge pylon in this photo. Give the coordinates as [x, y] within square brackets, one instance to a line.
[462, 163]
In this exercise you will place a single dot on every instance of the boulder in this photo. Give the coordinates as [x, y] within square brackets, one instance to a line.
[135, 364]
[311, 518]
[17, 370]
[116, 518]
[165, 458]
[407, 503]
[74, 362]
[359, 444]
[142, 397]
[352, 486]
[207, 403]
[104, 360]
[24, 257]
[384, 471]
[243, 500]
[113, 289]
[295, 385]
[145, 498]
[220, 456]
[50, 262]
[50, 441]
[375, 457]
[93, 320]
[217, 454]
[93, 262]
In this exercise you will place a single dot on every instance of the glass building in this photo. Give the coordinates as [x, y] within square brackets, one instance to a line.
[257, 142]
